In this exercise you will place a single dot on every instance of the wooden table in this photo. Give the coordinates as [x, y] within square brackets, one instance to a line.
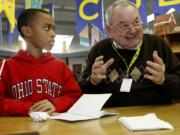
[103, 126]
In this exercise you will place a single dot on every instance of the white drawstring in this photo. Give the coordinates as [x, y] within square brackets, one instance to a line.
[2, 66]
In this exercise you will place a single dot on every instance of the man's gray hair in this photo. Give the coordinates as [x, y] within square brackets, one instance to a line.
[122, 3]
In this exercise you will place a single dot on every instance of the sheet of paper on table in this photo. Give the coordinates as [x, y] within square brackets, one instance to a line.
[87, 107]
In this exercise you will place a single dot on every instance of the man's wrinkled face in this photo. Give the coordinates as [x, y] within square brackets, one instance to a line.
[125, 26]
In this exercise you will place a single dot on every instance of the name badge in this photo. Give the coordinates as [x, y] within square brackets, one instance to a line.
[126, 85]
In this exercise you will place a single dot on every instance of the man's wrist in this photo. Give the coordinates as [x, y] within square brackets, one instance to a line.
[93, 81]
[163, 80]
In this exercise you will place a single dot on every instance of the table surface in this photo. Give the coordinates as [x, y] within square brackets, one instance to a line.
[102, 126]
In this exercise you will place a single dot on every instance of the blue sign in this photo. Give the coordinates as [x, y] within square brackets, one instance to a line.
[12, 35]
[162, 6]
[89, 11]
[48, 7]
[1, 35]
[141, 5]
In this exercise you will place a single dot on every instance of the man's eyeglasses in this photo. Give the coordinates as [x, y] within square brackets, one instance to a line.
[124, 27]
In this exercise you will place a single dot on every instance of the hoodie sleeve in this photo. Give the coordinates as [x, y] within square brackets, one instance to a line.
[9, 106]
[70, 94]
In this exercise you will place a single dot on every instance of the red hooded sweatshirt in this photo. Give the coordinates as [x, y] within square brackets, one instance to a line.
[26, 80]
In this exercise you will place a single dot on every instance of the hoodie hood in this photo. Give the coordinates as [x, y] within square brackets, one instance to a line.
[25, 56]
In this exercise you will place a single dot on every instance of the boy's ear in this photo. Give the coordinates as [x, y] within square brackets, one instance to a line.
[26, 31]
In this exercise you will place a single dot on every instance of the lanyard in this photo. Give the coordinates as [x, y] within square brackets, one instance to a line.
[132, 60]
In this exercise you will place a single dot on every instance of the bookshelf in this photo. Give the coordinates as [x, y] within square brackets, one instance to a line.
[173, 39]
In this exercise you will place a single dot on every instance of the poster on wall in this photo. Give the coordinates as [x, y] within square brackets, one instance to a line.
[1, 35]
[84, 37]
[141, 5]
[89, 12]
[12, 35]
[163, 6]
[33, 4]
[95, 35]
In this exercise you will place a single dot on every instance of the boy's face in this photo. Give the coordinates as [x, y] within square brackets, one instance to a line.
[42, 32]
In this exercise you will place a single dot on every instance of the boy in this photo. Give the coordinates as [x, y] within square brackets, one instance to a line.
[32, 80]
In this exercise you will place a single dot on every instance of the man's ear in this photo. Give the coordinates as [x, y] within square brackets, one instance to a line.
[108, 29]
[26, 30]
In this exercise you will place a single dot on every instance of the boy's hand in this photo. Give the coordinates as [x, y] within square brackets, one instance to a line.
[43, 106]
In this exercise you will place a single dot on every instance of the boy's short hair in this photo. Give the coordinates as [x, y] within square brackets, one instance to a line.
[27, 17]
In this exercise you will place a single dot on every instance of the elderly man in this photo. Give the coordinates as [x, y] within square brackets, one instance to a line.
[137, 68]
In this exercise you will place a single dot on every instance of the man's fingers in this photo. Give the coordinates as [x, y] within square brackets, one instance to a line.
[97, 64]
[154, 65]
[157, 59]
[152, 71]
[100, 58]
[108, 63]
[156, 69]
[99, 69]
[100, 77]
[150, 77]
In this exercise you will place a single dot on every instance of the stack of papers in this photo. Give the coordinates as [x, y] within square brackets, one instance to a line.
[146, 122]
[87, 107]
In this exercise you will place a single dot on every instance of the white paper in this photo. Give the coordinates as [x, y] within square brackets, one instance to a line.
[146, 122]
[126, 85]
[87, 107]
